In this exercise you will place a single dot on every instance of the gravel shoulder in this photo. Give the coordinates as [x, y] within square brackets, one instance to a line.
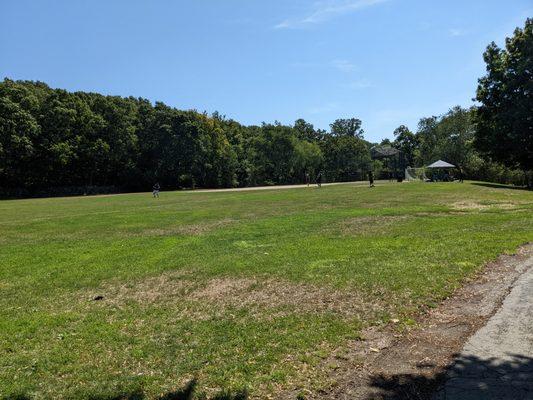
[497, 361]
[473, 345]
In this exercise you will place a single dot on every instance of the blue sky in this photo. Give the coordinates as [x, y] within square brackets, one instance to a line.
[387, 62]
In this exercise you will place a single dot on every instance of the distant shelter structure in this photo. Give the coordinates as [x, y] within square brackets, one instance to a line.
[392, 159]
[441, 171]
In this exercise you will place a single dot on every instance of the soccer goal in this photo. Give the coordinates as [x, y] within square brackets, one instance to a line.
[415, 174]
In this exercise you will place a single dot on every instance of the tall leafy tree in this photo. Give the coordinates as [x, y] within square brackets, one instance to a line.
[407, 142]
[306, 131]
[347, 127]
[18, 130]
[51, 138]
[345, 157]
[505, 116]
[308, 159]
[274, 151]
[448, 137]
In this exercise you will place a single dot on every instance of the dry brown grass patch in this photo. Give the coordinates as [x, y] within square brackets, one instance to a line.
[298, 297]
[473, 205]
[368, 224]
[257, 295]
[147, 291]
[220, 289]
[191, 229]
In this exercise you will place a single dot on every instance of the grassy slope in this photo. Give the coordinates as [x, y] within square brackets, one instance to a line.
[399, 246]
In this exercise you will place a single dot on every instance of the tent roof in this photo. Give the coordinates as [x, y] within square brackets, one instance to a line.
[441, 164]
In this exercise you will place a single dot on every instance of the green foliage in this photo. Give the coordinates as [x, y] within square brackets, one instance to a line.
[274, 155]
[18, 129]
[347, 127]
[52, 138]
[243, 290]
[347, 157]
[450, 137]
[492, 141]
[505, 116]
[407, 142]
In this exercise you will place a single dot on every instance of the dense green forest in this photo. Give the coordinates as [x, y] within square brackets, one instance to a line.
[54, 141]
[51, 138]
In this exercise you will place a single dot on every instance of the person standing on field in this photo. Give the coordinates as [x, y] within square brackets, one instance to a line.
[307, 178]
[319, 179]
[155, 190]
[371, 178]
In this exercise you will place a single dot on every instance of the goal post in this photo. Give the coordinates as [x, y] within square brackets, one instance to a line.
[415, 174]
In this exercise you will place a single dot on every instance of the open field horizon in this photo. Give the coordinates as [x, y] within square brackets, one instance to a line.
[240, 289]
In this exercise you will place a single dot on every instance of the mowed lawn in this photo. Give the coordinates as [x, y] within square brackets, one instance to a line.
[248, 289]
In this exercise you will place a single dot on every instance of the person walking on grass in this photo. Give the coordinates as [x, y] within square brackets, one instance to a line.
[155, 190]
[307, 178]
[371, 178]
[319, 179]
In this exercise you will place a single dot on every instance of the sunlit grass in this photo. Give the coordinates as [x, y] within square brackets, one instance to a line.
[207, 285]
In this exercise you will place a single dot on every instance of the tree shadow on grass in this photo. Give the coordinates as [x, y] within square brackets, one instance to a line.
[501, 186]
[468, 377]
[188, 392]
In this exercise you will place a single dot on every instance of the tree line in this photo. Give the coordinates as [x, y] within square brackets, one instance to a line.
[84, 142]
[54, 138]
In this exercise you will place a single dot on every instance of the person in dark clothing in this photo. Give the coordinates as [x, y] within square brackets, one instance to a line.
[319, 179]
[307, 179]
[371, 178]
[155, 190]
[461, 175]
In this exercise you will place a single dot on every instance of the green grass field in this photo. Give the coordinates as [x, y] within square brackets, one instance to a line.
[239, 289]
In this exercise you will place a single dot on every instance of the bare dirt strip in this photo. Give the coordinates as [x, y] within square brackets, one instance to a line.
[280, 187]
[237, 189]
[413, 364]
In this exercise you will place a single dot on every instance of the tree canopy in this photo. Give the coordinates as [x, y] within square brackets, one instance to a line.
[505, 116]
[53, 138]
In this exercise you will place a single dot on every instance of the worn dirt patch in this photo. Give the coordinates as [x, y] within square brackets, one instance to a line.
[394, 363]
[191, 229]
[367, 224]
[220, 289]
[270, 294]
[473, 205]
[147, 291]
[255, 294]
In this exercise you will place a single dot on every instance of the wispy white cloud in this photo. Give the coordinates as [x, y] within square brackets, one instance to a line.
[360, 84]
[326, 10]
[304, 64]
[343, 65]
[455, 32]
[324, 108]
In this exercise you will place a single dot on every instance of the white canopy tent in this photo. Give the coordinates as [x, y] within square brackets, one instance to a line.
[441, 164]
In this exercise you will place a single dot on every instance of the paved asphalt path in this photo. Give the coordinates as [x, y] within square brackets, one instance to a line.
[243, 189]
[497, 361]
[278, 187]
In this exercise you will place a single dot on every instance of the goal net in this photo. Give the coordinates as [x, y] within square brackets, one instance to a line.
[415, 174]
